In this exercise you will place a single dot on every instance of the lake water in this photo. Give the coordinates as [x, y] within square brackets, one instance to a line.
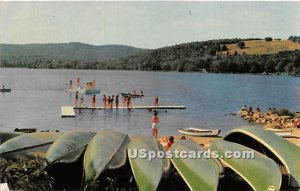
[37, 97]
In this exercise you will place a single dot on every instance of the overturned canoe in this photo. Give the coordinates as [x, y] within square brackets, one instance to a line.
[27, 144]
[284, 153]
[199, 173]
[148, 173]
[69, 146]
[106, 151]
[65, 157]
[5, 136]
[197, 132]
[260, 172]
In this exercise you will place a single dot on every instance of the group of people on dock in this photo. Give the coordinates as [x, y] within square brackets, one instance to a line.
[108, 102]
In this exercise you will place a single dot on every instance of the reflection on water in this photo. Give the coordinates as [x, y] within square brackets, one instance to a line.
[37, 96]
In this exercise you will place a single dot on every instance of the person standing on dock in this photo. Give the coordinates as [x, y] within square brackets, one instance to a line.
[155, 121]
[156, 102]
[108, 101]
[76, 98]
[78, 81]
[104, 101]
[129, 102]
[124, 101]
[94, 101]
[117, 101]
[112, 101]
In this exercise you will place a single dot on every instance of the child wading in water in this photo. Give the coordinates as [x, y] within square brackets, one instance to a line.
[155, 121]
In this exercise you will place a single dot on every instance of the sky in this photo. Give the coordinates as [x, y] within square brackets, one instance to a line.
[150, 24]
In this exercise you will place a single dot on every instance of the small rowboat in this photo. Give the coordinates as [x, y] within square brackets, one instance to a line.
[92, 91]
[132, 95]
[5, 90]
[200, 132]
[281, 132]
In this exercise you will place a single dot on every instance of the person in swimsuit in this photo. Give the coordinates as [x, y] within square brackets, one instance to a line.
[117, 101]
[156, 102]
[76, 98]
[155, 121]
[94, 101]
[104, 101]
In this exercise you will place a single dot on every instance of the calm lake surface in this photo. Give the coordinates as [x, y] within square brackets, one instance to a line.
[37, 97]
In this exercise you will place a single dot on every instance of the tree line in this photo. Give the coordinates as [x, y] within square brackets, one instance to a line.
[187, 57]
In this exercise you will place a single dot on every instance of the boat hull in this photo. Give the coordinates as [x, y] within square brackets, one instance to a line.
[199, 132]
[93, 91]
[199, 173]
[281, 132]
[5, 90]
[259, 171]
[106, 153]
[132, 95]
[147, 173]
[286, 154]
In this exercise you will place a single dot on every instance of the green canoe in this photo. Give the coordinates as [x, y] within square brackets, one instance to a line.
[28, 144]
[147, 173]
[5, 136]
[69, 146]
[199, 173]
[260, 172]
[106, 151]
[283, 152]
[65, 157]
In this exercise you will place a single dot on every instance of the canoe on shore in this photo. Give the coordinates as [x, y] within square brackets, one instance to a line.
[5, 136]
[5, 90]
[199, 173]
[283, 152]
[147, 173]
[105, 153]
[281, 132]
[197, 132]
[69, 146]
[65, 157]
[259, 171]
[27, 144]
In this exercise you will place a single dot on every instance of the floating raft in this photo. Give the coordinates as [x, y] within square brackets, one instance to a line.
[68, 111]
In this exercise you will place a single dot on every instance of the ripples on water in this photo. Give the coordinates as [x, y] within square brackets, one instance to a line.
[37, 96]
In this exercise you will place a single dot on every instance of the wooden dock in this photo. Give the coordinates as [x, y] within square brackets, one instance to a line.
[68, 111]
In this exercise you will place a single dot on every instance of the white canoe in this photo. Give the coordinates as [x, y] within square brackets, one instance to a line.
[281, 132]
[197, 132]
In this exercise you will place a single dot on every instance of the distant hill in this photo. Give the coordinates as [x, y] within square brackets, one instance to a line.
[67, 51]
[221, 56]
[260, 47]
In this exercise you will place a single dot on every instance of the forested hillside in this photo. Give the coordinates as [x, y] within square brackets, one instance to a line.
[223, 55]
